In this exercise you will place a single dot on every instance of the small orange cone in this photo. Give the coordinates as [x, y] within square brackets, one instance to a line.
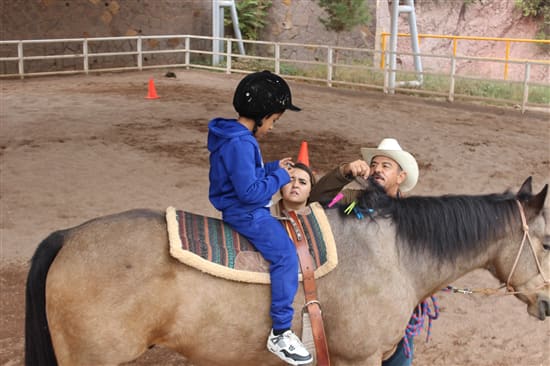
[152, 92]
[303, 155]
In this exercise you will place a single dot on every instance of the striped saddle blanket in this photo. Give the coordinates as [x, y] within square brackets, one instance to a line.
[210, 245]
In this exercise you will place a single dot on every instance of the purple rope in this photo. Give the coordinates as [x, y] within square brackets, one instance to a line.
[420, 313]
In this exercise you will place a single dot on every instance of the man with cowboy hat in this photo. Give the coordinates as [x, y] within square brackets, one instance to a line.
[394, 169]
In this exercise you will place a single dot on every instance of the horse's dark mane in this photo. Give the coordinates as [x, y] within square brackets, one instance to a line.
[445, 226]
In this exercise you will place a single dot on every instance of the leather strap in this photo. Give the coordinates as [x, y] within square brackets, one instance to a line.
[312, 304]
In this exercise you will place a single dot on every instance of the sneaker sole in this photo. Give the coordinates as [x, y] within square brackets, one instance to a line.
[291, 361]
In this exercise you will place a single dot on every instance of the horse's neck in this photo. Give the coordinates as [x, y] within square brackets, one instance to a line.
[429, 275]
[373, 246]
[421, 270]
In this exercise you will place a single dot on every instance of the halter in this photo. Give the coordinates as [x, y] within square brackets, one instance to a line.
[509, 289]
[526, 237]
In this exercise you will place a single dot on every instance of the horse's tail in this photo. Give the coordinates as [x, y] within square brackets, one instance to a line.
[38, 342]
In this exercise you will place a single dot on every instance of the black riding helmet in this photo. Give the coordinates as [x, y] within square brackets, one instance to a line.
[262, 94]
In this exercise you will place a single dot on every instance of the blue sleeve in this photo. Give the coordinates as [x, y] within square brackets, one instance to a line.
[271, 166]
[240, 160]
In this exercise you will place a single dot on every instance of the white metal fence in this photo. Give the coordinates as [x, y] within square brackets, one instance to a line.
[329, 65]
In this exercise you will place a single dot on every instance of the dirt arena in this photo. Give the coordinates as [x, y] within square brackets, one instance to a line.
[76, 147]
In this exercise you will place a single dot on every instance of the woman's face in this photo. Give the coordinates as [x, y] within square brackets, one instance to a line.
[299, 188]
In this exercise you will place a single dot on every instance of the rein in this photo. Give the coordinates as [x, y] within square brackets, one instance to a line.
[509, 289]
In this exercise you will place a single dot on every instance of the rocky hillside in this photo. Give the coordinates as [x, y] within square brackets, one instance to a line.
[288, 21]
[298, 21]
[486, 18]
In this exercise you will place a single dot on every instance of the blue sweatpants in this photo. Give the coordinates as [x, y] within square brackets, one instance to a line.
[270, 238]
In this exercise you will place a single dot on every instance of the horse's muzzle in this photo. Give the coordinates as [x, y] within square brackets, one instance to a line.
[543, 305]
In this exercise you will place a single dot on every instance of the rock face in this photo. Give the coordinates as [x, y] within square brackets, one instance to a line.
[483, 18]
[49, 19]
[298, 21]
[294, 21]
[41, 19]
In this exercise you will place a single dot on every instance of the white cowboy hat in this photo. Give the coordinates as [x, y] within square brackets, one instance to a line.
[390, 148]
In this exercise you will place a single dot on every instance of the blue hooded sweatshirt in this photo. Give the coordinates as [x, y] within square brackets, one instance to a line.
[239, 181]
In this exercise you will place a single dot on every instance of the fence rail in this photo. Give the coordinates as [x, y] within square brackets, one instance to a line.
[508, 42]
[329, 65]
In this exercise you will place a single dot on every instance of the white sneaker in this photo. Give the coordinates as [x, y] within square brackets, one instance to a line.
[289, 348]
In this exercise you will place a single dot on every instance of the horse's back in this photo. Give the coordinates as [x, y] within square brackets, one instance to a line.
[103, 281]
[115, 247]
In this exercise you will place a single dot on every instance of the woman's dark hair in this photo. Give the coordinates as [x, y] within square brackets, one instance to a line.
[306, 169]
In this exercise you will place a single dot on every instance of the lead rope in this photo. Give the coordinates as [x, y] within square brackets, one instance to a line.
[422, 312]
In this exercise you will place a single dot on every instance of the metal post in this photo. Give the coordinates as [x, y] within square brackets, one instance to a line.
[506, 57]
[139, 47]
[395, 11]
[20, 61]
[228, 58]
[218, 27]
[383, 52]
[277, 58]
[526, 86]
[452, 83]
[215, 32]
[85, 59]
[236, 29]
[386, 79]
[414, 41]
[187, 52]
[330, 52]
[392, 54]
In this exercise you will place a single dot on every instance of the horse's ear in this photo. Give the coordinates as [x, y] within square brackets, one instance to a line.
[526, 189]
[535, 203]
[538, 200]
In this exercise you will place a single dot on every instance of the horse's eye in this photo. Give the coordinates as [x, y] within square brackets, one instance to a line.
[546, 242]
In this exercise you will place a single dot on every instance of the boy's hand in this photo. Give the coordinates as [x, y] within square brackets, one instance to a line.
[286, 163]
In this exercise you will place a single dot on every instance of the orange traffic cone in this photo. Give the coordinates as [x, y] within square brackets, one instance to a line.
[152, 92]
[303, 155]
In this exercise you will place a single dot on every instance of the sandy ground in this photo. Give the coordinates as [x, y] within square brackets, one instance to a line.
[76, 147]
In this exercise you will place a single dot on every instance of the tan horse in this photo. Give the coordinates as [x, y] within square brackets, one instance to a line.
[104, 292]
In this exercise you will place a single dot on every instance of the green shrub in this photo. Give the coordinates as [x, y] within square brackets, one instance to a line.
[343, 15]
[252, 17]
[538, 9]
